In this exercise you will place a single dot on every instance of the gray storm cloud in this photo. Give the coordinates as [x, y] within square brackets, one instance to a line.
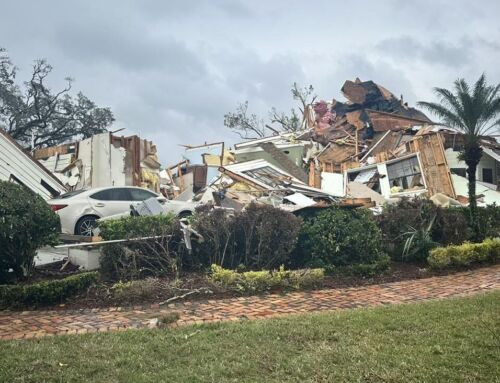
[170, 70]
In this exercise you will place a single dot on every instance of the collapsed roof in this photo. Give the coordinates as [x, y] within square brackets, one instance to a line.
[354, 128]
[369, 95]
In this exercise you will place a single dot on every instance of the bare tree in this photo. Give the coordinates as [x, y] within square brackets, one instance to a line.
[250, 126]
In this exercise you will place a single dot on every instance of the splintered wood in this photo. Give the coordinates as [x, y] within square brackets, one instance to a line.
[434, 164]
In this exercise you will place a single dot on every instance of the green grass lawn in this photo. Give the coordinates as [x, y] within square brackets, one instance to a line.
[455, 340]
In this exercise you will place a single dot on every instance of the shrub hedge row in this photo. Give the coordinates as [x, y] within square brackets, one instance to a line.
[26, 224]
[46, 292]
[258, 237]
[265, 280]
[465, 254]
[338, 239]
[134, 227]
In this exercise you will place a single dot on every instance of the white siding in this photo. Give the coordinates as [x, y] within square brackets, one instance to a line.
[13, 161]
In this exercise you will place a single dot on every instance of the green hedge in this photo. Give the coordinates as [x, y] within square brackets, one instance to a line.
[338, 238]
[465, 254]
[258, 237]
[26, 224]
[134, 227]
[46, 292]
[260, 281]
[156, 256]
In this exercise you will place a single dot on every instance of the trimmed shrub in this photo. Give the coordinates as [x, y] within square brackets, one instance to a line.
[465, 254]
[260, 236]
[134, 227]
[338, 238]
[26, 223]
[218, 229]
[139, 259]
[266, 236]
[412, 227]
[261, 281]
[46, 292]
[452, 227]
[488, 220]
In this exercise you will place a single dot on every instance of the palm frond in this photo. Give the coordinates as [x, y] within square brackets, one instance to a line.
[448, 116]
[449, 100]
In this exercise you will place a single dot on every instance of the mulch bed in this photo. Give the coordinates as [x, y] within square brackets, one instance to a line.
[101, 296]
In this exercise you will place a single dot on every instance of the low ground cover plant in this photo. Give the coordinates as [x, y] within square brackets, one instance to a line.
[265, 280]
[341, 239]
[45, 292]
[465, 254]
[26, 224]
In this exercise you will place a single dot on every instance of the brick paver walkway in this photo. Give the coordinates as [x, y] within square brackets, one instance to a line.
[29, 324]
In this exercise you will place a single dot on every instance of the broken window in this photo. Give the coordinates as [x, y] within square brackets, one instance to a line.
[405, 175]
[266, 175]
[369, 177]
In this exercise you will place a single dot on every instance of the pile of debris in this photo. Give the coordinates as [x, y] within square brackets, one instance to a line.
[268, 170]
[376, 146]
[368, 150]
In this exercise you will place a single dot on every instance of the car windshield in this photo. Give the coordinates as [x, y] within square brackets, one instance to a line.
[70, 194]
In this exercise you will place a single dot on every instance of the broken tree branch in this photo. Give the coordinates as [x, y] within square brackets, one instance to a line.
[200, 290]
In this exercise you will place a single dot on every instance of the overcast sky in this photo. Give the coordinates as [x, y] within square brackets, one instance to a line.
[170, 70]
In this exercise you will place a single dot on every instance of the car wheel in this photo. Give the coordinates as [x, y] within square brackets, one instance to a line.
[86, 225]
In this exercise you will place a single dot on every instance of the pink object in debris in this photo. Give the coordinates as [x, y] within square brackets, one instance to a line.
[324, 117]
[320, 108]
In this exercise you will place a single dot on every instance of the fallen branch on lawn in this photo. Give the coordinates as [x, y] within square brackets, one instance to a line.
[205, 290]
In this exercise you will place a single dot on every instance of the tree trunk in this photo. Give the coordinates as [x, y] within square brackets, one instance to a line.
[473, 155]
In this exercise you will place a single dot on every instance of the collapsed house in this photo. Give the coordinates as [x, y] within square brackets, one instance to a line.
[104, 160]
[269, 171]
[369, 150]
[376, 146]
[18, 166]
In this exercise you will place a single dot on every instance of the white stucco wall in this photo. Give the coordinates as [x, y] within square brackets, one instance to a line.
[486, 162]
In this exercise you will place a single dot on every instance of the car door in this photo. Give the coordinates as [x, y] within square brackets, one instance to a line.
[111, 201]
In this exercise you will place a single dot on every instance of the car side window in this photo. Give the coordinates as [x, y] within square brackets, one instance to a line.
[103, 195]
[115, 194]
[141, 195]
[121, 194]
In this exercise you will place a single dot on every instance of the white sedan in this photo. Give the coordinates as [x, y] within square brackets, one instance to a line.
[80, 209]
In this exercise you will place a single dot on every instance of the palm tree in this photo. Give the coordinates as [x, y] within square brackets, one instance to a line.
[473, 112]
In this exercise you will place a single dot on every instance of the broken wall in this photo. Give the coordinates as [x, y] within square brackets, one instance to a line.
[434, 164]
